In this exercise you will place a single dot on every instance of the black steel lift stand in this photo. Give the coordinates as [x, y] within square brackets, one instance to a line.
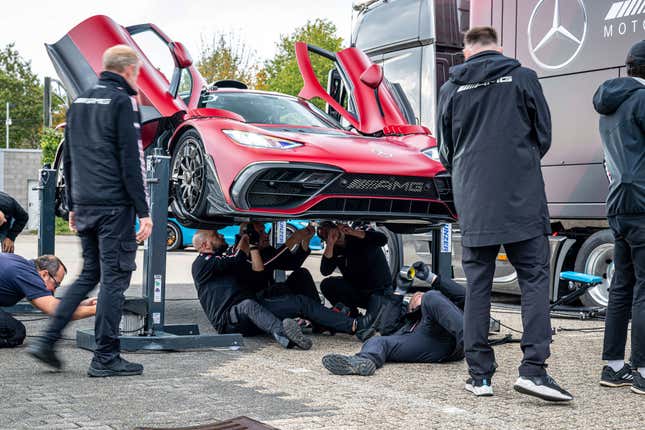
[156, 335]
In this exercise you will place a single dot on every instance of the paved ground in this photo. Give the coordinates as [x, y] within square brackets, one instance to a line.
[291, 390]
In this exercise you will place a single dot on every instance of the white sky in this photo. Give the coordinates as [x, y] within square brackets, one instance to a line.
[31, 23]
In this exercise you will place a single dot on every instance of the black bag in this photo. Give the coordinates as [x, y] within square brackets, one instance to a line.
[393, 314]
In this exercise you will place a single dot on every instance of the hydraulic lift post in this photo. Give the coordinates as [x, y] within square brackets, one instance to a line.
[155, 334]
[441, 251]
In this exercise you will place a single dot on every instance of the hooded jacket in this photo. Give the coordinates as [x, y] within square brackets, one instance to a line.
[16, 217]
[621, 104]
[103, 154]
[493, 128]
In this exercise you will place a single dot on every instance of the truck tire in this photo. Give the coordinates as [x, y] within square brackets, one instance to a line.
[596, 257]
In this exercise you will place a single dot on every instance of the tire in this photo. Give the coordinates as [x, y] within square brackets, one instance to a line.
[596, 257]
[174, 239]
[61, 208]
[392, 250]
[188, 174]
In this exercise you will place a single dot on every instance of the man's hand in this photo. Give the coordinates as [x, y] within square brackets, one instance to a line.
[243, 245]
[3, 218]
[145, 229]
[348, 231]
[89, 302]
[7, 245]
[72, 221]
[415, 302]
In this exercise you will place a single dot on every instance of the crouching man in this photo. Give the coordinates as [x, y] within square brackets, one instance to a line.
[227, 288]
[35, 280]
[430, 331]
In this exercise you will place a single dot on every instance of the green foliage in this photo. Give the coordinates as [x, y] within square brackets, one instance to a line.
[49, 141]
[227, 57]
[62, 226]
[281, 73]
[21, 87]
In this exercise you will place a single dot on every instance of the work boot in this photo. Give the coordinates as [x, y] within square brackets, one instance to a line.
[292, 331]
[348, 365]
[117, 367]
[366, 325]
[45, 353]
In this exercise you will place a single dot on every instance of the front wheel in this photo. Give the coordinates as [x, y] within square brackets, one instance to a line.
[596, 257]
[188, 174]
[174, 238]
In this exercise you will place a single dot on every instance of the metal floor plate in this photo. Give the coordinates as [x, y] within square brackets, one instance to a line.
[239, 423]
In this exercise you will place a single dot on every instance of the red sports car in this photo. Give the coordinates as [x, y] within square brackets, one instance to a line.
[240, 154]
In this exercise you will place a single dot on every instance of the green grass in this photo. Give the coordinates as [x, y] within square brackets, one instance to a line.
[62, 226]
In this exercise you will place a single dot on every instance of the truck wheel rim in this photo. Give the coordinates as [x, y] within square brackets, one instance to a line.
[601, 263]
[189, 174]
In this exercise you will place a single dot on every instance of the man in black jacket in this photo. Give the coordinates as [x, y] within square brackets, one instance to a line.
[229, 288]
[359, 256]
[104, 171]
[621, 104]
[13, 219]
[493, 128]
[430, 331]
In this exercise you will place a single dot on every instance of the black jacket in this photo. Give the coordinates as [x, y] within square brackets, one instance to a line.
[280, 259]
[621, 103]
[103, 154]
[14, 213]
[493, 127]
[362, 263]
[218, 287]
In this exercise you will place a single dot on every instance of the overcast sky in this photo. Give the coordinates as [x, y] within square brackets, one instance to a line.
[31, 23]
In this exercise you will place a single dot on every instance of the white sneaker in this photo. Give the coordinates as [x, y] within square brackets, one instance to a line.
[479, 387]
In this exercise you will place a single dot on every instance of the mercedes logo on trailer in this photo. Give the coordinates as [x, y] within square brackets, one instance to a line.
[565, 39]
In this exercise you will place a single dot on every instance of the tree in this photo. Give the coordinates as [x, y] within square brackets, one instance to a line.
[226, 56]
[281, 73]
[20, 87]
[49, 140]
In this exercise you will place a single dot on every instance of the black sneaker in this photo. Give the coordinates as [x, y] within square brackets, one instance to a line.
[543, 387]
[622, 378]
[45, 353]
[292, 331]
[479, 387]
[638, 385]
[348, 365]
[117, 367]
[366, 325]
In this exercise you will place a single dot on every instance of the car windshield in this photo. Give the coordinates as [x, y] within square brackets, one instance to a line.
[268, 109]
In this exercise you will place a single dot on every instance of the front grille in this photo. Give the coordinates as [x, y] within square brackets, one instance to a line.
[443, 183]
[383, 207]
[383, 185]
[283, 188]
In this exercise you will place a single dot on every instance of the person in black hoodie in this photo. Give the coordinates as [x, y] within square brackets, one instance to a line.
[493, 127]
[104, 173]
[358, 254]
[229, 288]
[621, 104]
[13, 219]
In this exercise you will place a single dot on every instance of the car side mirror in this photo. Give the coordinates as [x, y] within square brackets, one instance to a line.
[181, 55]
[373, 76]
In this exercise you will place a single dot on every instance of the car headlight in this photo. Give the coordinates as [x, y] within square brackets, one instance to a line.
[257, 140]
[433, 153]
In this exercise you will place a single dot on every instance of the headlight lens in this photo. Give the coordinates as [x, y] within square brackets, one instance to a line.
[432, 153]
[257, 140]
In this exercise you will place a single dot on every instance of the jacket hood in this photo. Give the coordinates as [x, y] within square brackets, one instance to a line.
[116, 80]
[614, 92]
[483, 67]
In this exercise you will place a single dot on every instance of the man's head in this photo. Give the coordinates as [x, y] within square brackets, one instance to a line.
[3, 218]
[123, 60]
[51, 270]
[327, 226]
[480, 39]
[259, 228]
[208, 241]
[636, 60]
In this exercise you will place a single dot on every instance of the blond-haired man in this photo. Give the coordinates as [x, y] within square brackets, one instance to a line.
[104, 170]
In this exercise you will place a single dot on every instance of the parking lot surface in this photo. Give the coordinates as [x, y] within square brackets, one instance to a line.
[289, 389]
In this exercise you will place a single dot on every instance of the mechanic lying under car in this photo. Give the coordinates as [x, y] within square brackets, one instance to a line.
[227, 287]
[35, 280]
[428, 329]
[359, 256]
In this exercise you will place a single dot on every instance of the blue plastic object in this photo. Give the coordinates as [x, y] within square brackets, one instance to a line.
[583, 278]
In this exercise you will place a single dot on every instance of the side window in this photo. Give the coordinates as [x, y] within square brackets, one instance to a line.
[404, 67]
[185, 86]
[338, 88]
[157, 53]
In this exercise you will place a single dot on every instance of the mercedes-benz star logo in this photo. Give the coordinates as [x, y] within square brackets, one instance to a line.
[573, 36]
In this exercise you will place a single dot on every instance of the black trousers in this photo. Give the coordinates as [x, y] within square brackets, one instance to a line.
[299, 281]
[437, 337]
[12, 331]
[109, 251]
[627, 292]
[530, 258]
[250, 317]
[336, 289]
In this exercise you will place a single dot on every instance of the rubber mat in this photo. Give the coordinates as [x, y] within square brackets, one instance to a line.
[239, 423]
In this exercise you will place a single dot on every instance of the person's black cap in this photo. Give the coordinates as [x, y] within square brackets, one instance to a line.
[636, 54]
